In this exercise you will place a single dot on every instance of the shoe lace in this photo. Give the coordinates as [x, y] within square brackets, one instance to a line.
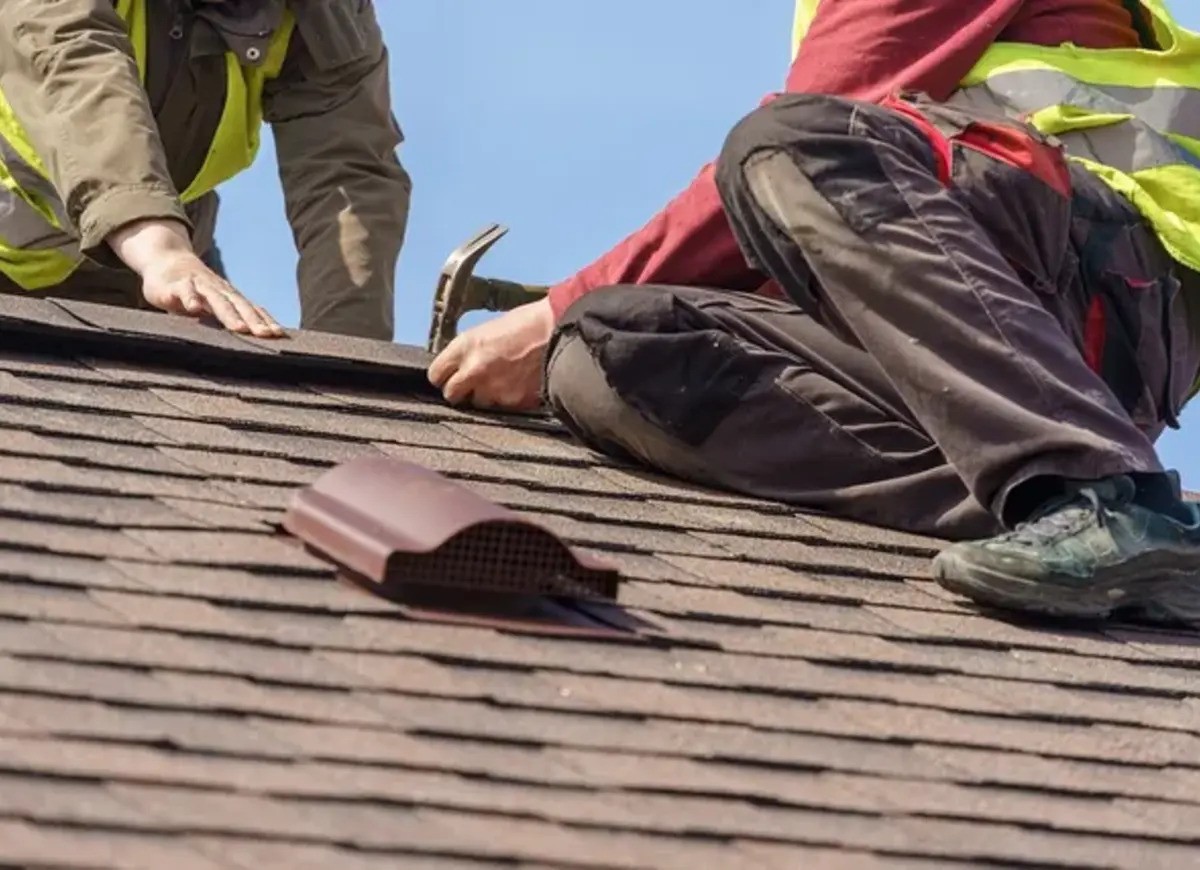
[1063, 517]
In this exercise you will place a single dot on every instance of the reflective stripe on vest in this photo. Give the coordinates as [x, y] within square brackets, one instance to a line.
[1131, 115]
[38, 245]
[35, 252]
[806, 11]
[1098, 123]
[33, 212]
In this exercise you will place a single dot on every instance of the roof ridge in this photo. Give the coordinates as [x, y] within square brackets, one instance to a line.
[157, 339]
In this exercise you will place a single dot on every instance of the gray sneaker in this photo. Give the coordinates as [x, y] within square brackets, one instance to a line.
[1084, 556]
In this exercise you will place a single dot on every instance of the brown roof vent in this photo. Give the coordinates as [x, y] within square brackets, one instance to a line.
[407, 528]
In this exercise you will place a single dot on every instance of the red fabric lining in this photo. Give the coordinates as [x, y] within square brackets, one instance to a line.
[1095, 332]
[1009, 145]
[942, 153]
[1018, 149]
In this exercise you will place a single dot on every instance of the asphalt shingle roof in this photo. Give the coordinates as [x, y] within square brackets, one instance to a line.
[181, 686]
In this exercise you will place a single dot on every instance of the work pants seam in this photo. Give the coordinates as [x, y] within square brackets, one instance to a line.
[887, 157]
[799, 399]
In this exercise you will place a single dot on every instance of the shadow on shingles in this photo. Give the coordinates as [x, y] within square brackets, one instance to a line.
[1122, 628]
[542, 615]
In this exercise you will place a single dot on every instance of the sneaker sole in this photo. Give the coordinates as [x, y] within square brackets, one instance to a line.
[1172, 593]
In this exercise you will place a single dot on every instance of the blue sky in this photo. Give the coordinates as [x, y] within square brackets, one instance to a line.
[569, 122]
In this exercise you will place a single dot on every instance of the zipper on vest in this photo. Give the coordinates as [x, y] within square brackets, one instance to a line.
[179, 51]
[187, 92]
[165, 57]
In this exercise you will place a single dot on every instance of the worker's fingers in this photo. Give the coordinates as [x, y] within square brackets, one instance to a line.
[175, 300]
[261, 323]
[221, 304]
[486, 391]
[514, 399]
[505, 396]
[235, 311]
[182, 284]
[188, 300]
[249, 312]
[448, 362]
[460, 386]
[181, 298]
[276, 329]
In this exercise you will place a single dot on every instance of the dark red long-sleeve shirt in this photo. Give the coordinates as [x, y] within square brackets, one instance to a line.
[863, 49]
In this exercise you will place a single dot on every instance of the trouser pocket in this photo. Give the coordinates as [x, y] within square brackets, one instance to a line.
[1137, 332]
[978, 154]
[1136, 335]
[337, 34]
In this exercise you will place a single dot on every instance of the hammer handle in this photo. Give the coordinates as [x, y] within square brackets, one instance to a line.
[497, 294]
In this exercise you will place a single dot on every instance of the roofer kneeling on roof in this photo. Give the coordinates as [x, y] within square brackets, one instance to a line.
[964, 331]
[119, 118]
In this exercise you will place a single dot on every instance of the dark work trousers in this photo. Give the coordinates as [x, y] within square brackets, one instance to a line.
[966, 315]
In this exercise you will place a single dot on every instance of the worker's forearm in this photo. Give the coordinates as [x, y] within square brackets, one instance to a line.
[67, 70]
[689, 243]
[142, 244]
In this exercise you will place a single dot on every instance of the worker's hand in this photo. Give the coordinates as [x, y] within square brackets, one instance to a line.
[498, 364]
[174, 279]
[182, 284]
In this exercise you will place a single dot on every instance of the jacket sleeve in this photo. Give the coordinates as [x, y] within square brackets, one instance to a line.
[688, 243]
[867, 49]
[346, 193]
[69, 77]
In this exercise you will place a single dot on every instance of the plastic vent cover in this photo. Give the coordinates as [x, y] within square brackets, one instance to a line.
[398, 524]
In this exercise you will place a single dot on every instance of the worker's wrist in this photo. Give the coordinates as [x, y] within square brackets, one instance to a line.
[546, 315]
[122, 205]
[560, 297]
[143, 243]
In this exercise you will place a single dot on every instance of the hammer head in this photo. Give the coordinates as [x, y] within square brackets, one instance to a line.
[452, 298]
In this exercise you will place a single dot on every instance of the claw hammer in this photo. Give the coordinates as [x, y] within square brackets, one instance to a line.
[459, 291]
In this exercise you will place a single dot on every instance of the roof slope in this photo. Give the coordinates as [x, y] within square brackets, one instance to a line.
[180, 687]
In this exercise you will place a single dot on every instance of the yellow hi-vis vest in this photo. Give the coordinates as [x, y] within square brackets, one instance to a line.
[38, 247]
[1132, 116]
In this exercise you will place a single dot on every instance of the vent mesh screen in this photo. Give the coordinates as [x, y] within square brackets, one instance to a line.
[502, 557]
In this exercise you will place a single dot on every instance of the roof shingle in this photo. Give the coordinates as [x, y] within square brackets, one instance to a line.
[182, 687]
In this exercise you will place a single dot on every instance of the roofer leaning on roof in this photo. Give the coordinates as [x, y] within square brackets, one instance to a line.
[975, 333]
[119, 118]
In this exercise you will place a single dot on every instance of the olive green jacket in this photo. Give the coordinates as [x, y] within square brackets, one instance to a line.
[118, 151]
